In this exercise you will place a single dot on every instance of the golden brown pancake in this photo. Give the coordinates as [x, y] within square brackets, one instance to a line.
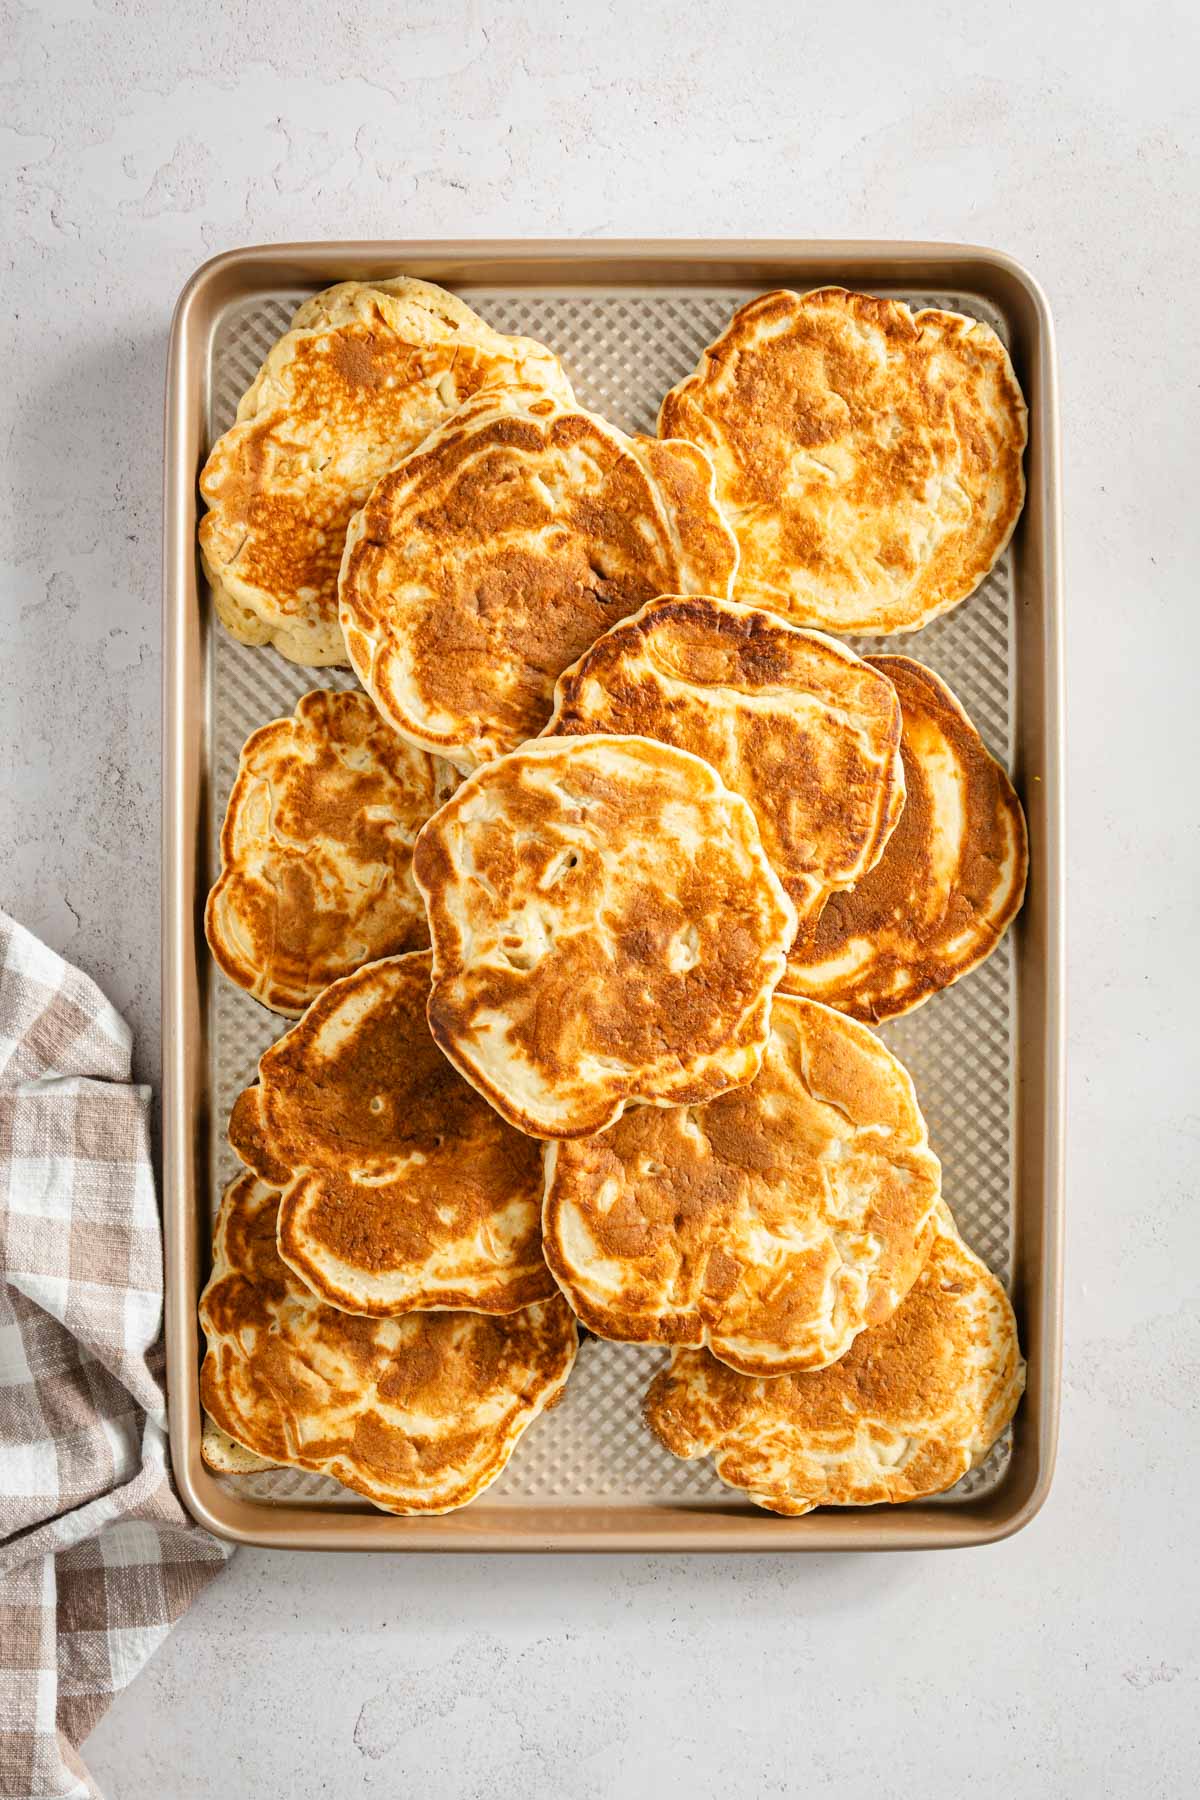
[796, 723]
[772, 1224]
[420, 1414]
[907, 1411]
[488, 560]
[606, 931]
[951, 878]
[402, 1189]
[316, 850]
[868, 458]
[366, 371]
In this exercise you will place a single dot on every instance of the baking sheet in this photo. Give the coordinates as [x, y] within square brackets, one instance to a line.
[623, 347]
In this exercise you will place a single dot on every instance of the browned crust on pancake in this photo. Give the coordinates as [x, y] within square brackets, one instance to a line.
[403, 1190]
[869, 458]
[772, 1224]
[302, 1384]
[316, 850]
[907, 1411]
[821, 768]
[606, 931]
[922, 929]
[486, 562]
[366, 371]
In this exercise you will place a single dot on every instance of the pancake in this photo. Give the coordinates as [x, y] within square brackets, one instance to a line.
[402, 1189]
[951, 878]
[367, 370]
[316, 850]
[868, 458]
[797, 724]
[487, 561]
[773, 1224]
[418, 1414]
[606, 930]
[907, 1411]
[224, 1457]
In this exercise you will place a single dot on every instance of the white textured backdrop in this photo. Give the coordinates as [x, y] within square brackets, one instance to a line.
[136, 139]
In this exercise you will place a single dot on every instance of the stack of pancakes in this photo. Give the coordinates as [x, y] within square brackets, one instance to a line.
[586, 903]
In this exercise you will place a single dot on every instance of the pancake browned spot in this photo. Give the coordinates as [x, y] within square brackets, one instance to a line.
[488, 560]
[796, 723]
[419, 1414]
[366, 371]
[606, 930]
[950, 881]
[907, 1411]
[402, 1188]
[772, 1224]
[316, 850]
[868, 458]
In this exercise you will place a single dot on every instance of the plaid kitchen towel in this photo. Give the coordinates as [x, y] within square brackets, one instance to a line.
[97, 1556]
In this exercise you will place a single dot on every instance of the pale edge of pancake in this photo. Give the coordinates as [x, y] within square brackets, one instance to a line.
[1014, 901]
[225, 1456]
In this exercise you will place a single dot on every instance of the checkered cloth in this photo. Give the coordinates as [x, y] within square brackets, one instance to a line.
[97, 1557]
